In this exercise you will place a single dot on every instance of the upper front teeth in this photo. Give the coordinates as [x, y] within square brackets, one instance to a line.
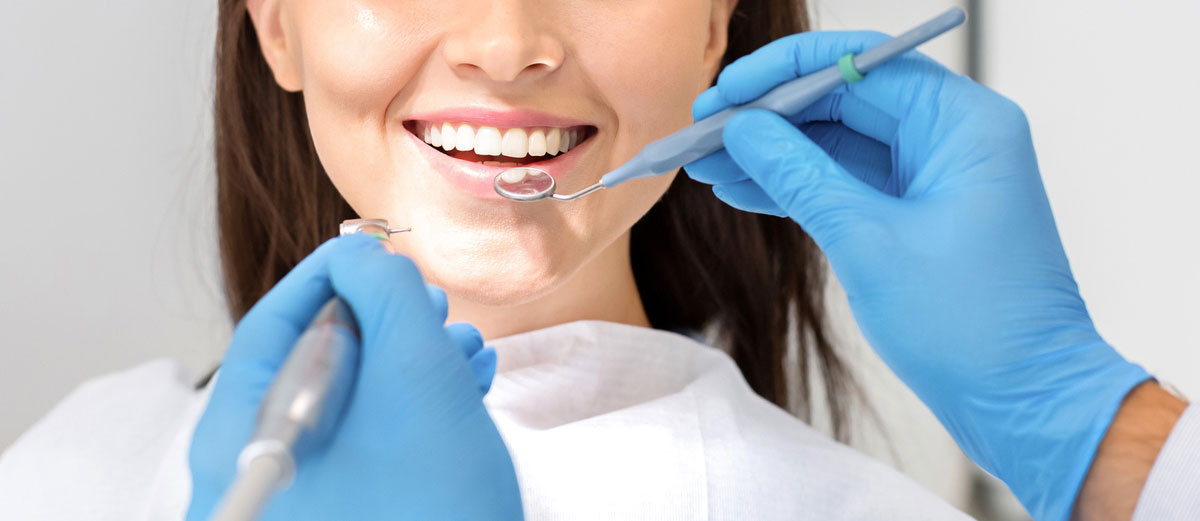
[492, 141]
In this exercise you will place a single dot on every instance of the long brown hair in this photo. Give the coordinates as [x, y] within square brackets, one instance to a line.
[699, 264]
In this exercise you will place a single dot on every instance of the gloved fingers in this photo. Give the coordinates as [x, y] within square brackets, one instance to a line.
[907, 86]
[482, 361]
[438, 296]
[483, 365]
[390, 300]
[797, 174]
[708, 103]
[405, 348]
[748, 196]
[266, 333]
[866, 159]
[293, 298]
[852, 111]
[384, 289]
[715, 168]
[467, 337]
[224, 428]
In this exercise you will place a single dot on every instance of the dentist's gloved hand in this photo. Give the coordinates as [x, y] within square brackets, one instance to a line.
[414, 441]
[923, 191]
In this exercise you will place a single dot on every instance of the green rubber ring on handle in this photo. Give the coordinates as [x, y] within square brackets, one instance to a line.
[846, 67]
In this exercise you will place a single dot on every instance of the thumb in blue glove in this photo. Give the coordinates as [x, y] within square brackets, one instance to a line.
[922, 189]
[414, 441]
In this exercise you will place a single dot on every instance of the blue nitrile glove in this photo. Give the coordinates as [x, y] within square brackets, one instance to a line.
[414, 441]
[923, 191]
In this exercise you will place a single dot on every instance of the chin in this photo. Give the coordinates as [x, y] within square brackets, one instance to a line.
[493, 275]
[495, 284]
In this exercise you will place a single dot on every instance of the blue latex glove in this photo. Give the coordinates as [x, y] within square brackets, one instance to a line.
[414, 441]
[923, 191]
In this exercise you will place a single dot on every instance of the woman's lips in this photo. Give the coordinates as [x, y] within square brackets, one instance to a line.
[477, 179]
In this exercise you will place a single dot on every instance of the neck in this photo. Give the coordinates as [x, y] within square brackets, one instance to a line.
[603, 289]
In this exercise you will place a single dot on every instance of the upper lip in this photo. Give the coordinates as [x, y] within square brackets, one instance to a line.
[511, 118]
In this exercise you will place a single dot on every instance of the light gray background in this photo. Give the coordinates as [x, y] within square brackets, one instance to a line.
[110, 258]
[107, 189]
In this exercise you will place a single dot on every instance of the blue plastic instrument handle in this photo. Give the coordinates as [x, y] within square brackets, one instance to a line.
[704, 137]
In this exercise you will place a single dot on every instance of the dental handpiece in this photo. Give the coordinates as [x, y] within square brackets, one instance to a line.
[704, 137]
[306, 398]
[308, 393]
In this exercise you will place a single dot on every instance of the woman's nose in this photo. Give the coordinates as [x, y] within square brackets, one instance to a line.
[502, 40]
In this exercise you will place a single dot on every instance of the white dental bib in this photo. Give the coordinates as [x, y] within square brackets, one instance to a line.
[604, 421]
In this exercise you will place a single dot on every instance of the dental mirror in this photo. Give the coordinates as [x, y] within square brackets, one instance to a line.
[524, 184]
[530, 184]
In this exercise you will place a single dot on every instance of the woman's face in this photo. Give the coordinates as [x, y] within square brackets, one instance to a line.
[513, 82]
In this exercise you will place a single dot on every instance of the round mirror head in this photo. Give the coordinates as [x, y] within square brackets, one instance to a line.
[524, 184]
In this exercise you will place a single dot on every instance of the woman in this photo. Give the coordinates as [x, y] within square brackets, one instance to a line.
[327, 111]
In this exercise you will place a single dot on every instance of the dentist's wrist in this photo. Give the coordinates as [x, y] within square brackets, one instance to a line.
[1126, 454]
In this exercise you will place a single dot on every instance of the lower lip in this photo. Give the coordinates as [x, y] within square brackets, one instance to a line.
[477, 178]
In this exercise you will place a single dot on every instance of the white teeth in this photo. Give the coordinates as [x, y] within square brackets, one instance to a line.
[493, 141]
[487, 141]
[448, 137]
[553, 138]
[537, 143]
[513, 176]
[464, 138]
[516, 143]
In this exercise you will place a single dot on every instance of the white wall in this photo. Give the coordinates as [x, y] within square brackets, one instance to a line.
[108, 256]
[1111, 91]
[894, 18]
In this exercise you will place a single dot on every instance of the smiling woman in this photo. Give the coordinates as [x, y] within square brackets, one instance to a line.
[369, 78]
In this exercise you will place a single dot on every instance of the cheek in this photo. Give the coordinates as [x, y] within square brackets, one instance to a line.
[650, 92]
[356, 56]
[356, 53]
[648, 62]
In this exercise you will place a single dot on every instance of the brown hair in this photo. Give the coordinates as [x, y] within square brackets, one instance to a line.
[699, 264]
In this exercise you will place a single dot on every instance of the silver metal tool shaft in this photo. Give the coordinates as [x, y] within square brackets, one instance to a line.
[307, 395]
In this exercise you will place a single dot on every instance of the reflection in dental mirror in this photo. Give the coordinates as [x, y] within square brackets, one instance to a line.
[524, 184]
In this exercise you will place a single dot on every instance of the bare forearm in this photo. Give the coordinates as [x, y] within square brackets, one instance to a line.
[1114, 482]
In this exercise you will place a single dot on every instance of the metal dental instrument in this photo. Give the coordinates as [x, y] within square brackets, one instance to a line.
[307, 396]
[704, 137]
[371, 226]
